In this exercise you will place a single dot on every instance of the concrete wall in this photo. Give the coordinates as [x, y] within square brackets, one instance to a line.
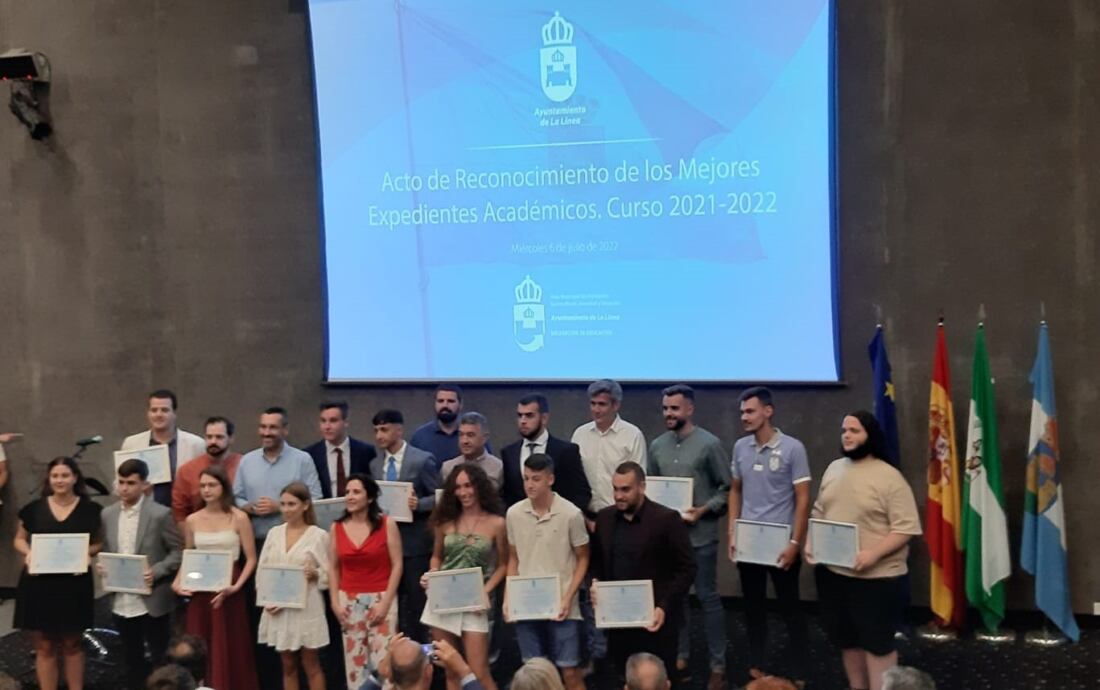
[168, 234]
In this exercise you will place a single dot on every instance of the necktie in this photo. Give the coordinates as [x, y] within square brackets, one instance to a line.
[531, 446]
[341, 476]
[391, 470]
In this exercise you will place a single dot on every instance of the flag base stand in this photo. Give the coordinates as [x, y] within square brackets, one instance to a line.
[936, 633]
[1045, 638]
[998, 636]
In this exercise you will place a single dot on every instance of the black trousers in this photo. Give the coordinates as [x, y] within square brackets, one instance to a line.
[754, 588]
[411, 597]
[136, 633]
[621, 643]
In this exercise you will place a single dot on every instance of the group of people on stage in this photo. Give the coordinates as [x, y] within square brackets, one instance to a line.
[546, 506]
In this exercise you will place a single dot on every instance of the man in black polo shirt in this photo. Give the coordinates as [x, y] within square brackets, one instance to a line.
[636, 539]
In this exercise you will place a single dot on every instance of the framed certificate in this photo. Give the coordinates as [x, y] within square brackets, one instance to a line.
[760, 542]
[59, 554]
[123, 572]
[281, 585]
[533, 597]
[624, 603]
[393, 499]
[438, 496]
[156, 457]
[834, 543]
[206, 571]
[673, 492]
[329, 510]
[456, 591]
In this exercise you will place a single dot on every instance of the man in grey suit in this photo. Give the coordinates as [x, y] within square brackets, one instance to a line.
[397, 461]
[138, 525]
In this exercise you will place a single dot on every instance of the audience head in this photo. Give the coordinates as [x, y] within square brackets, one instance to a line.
[296, 502]
[628, 487]
[161, 410]
[862, 437]
[333, 421]
[605, 398]
[274, 428]
[764, 681]
[63, 476]
[532, 415]
[361, 498]
[448, 402]
[409, 665]
[538, 476]
[9, 683]
[473, 434]
[132, 480]
[645, 671]
[189, 651]
[170, 677]
[756, 408]
[537, 674]
[907, 678]
[389, 429]
[678, 406]
[218, 433]
[467, 487]
[215, 488]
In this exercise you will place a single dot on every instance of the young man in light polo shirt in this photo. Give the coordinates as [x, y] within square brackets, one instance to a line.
[547, 536]
[771, 483]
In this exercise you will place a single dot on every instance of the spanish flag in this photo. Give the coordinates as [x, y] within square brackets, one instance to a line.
[943, 517]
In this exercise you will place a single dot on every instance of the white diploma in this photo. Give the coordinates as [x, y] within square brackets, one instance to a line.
[760, 542]
[456, 591]
[123, 572]
[834, 543]
[329, 510]
[671, 492]
[156, 457]
[206, 571]
[624, 603]
[438, 496]
[281, 585]
[59, 554]
[533, 597]
[393, 499]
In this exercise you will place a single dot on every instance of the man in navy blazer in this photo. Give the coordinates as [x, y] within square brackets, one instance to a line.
[570, 482]
[338, 451]
[401, 462]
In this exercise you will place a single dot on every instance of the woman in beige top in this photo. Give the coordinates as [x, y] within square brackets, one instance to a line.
[862, 606]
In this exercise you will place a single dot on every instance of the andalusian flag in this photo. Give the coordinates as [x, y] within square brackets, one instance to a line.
[985, 532]
[942, 513]
[1043, 553]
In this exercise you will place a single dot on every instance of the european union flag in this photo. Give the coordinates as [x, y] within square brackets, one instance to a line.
[885, 411]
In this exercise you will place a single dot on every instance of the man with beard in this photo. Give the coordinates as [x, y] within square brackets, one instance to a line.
[771, 483]
[183, 446]
[686, 450]
[532, 416]
[337, 455]
[439, 436]
[185, 490]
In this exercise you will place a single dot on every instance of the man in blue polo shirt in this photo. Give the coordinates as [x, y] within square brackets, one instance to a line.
[770, 483]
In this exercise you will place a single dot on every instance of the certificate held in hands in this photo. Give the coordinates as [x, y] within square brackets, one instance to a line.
[760, 542]
[534, 597]
[456, 591]
[624, 603]
[329, 510]
[393, 499]
[155, 457]
[834, 543]
[283, 586]
[59, 554]
[206, 571]
[123, 572]
[672, 492]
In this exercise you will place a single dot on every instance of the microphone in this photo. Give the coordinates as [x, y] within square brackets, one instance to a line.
[90, 441]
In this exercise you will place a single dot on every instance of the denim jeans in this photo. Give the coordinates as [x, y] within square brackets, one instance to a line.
[714, 616]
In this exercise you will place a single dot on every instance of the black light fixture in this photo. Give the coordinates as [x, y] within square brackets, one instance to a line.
[29, 74]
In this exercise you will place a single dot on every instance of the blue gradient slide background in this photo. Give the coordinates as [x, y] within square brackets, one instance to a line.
[731, 281]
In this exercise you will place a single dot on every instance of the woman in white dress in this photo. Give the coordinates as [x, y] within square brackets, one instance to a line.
[298, 633]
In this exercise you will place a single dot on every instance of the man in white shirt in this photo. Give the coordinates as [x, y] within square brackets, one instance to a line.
[183, 446]
[606, 442]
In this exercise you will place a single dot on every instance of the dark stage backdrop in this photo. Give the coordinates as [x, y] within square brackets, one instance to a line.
[168, 235]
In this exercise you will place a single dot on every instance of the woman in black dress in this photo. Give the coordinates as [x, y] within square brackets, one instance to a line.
[57, 608]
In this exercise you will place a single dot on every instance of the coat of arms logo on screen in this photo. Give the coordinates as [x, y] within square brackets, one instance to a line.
[529, 316]
[558, 60]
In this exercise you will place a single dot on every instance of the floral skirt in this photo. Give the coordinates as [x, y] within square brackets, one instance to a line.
[365, 646]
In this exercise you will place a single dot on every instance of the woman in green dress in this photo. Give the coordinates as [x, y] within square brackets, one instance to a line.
[469, 533]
